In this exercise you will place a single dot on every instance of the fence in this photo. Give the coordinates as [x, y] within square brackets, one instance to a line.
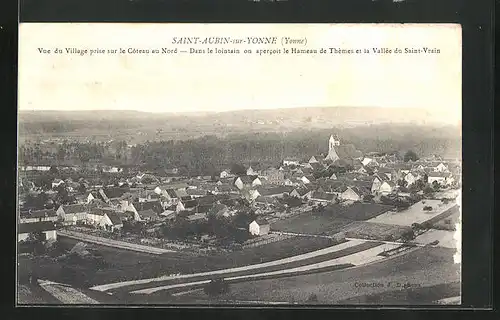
[267, 240]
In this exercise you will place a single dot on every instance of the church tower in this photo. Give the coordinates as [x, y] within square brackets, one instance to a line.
[332, 154]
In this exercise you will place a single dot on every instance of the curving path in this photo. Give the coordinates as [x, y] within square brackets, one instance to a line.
[359, 258]
[305, 256]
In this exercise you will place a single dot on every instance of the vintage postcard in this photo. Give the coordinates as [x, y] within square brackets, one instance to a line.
[239, 164]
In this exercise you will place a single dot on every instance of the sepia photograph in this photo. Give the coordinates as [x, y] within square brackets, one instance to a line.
[241, 165]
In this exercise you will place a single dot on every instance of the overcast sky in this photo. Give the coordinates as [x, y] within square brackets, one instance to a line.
[205, 82]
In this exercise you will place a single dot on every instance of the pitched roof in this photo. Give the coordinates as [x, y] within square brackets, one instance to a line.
[190, 204]
[41, 213]
[207, 200]
[203, 208]
[361, 184]
[36, 227]
[181, 193]
[261, 221]
[360, 191]
[114, 217]
[439, 174]
[153, 205]
[322, 196]
[302, 191]
[224, 188]
[317, 166]
[390, 183]
[100, 211]
[275, 190]
[114, 192]
[74, 208]
[246, 179]
[265, 199]
[218, 207]
[171, 193]
[147, 214]
[196, 192]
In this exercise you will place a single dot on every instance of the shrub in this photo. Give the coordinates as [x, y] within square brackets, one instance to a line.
[426, 225]
[416, 226]
[216, 287]
[408, 235]
[427, 208]
[312, 298]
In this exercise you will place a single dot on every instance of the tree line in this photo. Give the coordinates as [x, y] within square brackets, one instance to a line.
[208, 155]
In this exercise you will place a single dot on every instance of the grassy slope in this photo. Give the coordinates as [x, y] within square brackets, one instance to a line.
[424, 267]
[127, 265]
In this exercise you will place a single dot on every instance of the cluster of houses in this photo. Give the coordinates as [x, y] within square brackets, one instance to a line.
[167, 198]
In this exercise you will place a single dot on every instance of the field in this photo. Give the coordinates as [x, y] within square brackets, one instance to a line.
[423, 267]
[127, 265]
[374, 231]
[414, 214]
[331, 220]
[310, 223]
[360, 211]
[323, 259]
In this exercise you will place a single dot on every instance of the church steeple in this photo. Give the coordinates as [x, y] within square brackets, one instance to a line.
[332, 154]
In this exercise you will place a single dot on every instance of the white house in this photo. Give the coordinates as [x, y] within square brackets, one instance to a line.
[291, 162]
[441, 167]
[46, 228]
[250, 195]
[411, 178]
[376, 185]
[386, 187]
[313, 160]
[224, 174]
[180, 207]
[333, 176]
[110, 221]
[158, 190]
[366, 161]
[259, 227]
[39, 216]
[70, 214]
[322, 197]
[256, 182]
[247, 181]
[112, 170]
[305, 180]
[95, 215]
[56, 183]
[442, 178]
[251, 172]
[90, 197]
[351, 193]
[362, 170]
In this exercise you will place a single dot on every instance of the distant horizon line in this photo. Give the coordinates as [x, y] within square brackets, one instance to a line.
[223, 111]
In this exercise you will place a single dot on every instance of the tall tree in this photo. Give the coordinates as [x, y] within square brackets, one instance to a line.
[410, 155]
